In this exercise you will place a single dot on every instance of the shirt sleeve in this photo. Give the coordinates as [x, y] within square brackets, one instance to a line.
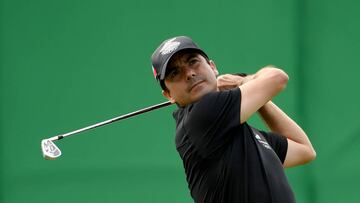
[211, 120]
[278, 143]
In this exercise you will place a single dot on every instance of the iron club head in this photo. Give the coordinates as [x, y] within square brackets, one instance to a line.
[49, 150]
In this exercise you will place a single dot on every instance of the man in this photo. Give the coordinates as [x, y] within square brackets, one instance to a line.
[225, 159]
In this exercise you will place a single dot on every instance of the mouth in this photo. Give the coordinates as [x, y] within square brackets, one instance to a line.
[195, 84]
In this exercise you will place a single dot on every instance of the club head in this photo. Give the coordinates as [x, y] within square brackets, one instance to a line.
[49, 150]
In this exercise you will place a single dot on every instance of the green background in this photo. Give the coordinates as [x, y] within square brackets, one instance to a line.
[71, 63]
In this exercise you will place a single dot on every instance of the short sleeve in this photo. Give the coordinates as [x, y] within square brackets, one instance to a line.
[212, 119]
[278, 143]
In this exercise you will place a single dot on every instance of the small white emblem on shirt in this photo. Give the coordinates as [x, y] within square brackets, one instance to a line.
[264, 143]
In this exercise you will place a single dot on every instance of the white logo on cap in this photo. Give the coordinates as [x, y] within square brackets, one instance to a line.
[169, 46]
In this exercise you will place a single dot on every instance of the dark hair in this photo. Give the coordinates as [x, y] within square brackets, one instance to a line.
[162, 84]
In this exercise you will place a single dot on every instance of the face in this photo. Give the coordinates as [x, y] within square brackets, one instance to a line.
[189, 76]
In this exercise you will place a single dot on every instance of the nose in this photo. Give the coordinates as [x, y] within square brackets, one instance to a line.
[190, 73]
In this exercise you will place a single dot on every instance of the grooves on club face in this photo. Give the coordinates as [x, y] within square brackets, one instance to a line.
[49, 150]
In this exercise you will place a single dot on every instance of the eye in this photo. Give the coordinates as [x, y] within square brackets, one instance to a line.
[173, 73]
[193, 61]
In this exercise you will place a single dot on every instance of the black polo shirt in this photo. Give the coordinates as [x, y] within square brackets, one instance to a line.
[229, 162]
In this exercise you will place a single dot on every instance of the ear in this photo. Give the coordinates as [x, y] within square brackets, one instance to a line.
[167, 95]
[213, 67]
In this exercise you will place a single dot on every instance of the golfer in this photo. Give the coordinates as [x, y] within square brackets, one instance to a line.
[225, 159]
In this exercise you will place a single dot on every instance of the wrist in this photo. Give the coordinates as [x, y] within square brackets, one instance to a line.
[247, 79]
[240, 74]
[244, 78]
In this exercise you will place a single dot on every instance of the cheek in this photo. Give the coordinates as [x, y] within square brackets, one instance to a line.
[212, 78]
[175, 90]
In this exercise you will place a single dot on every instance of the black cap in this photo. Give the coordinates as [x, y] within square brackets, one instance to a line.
[166, 50]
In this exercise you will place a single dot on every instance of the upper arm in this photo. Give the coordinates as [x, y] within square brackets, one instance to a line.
[267, 83]
[298, 154]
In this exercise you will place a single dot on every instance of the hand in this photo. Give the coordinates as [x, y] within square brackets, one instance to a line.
[229, 81]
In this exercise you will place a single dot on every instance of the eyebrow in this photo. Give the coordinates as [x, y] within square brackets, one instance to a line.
[190, 56]
[171, 67]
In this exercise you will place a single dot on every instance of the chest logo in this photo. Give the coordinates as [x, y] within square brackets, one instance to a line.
[263, 142]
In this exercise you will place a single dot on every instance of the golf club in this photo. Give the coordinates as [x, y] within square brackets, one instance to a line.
[50, 151]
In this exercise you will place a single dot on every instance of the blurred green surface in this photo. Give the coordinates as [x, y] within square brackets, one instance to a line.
[68, 64]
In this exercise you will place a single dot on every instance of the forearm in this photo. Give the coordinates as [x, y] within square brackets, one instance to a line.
[280, 123]
[229, 81]
[266, 71]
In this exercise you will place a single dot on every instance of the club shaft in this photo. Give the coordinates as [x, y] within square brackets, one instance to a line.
[141, 111]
